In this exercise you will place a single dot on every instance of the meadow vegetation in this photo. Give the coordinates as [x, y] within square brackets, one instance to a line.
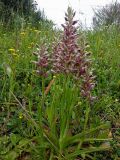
[60, 92]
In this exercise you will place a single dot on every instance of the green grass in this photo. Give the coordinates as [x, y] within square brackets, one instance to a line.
[105, 46]
[59, 125]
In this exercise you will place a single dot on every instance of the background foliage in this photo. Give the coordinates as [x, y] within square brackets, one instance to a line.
[15, 13]
[107, 15]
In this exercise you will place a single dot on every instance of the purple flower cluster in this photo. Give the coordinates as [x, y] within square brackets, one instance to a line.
[64, 52]
[43, 61]
[68, 58]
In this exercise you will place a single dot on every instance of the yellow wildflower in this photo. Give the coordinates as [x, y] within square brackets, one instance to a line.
[37, 31]
[20, 116]
[22, 33]
[79, 103]
[54, 77]
[13, 52]
[11, 49]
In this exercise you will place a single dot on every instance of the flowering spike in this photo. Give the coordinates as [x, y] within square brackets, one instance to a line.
[68, 58]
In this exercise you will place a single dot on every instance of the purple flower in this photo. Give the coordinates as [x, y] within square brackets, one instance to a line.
[68, 58]
[42, 62]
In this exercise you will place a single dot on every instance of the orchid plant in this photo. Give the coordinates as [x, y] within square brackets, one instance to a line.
[70, 88]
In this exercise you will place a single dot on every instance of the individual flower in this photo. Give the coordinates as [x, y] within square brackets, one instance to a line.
[22, 33]
[11, 50]
[20, 116]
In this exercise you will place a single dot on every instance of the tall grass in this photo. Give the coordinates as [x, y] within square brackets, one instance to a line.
[105, 48]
